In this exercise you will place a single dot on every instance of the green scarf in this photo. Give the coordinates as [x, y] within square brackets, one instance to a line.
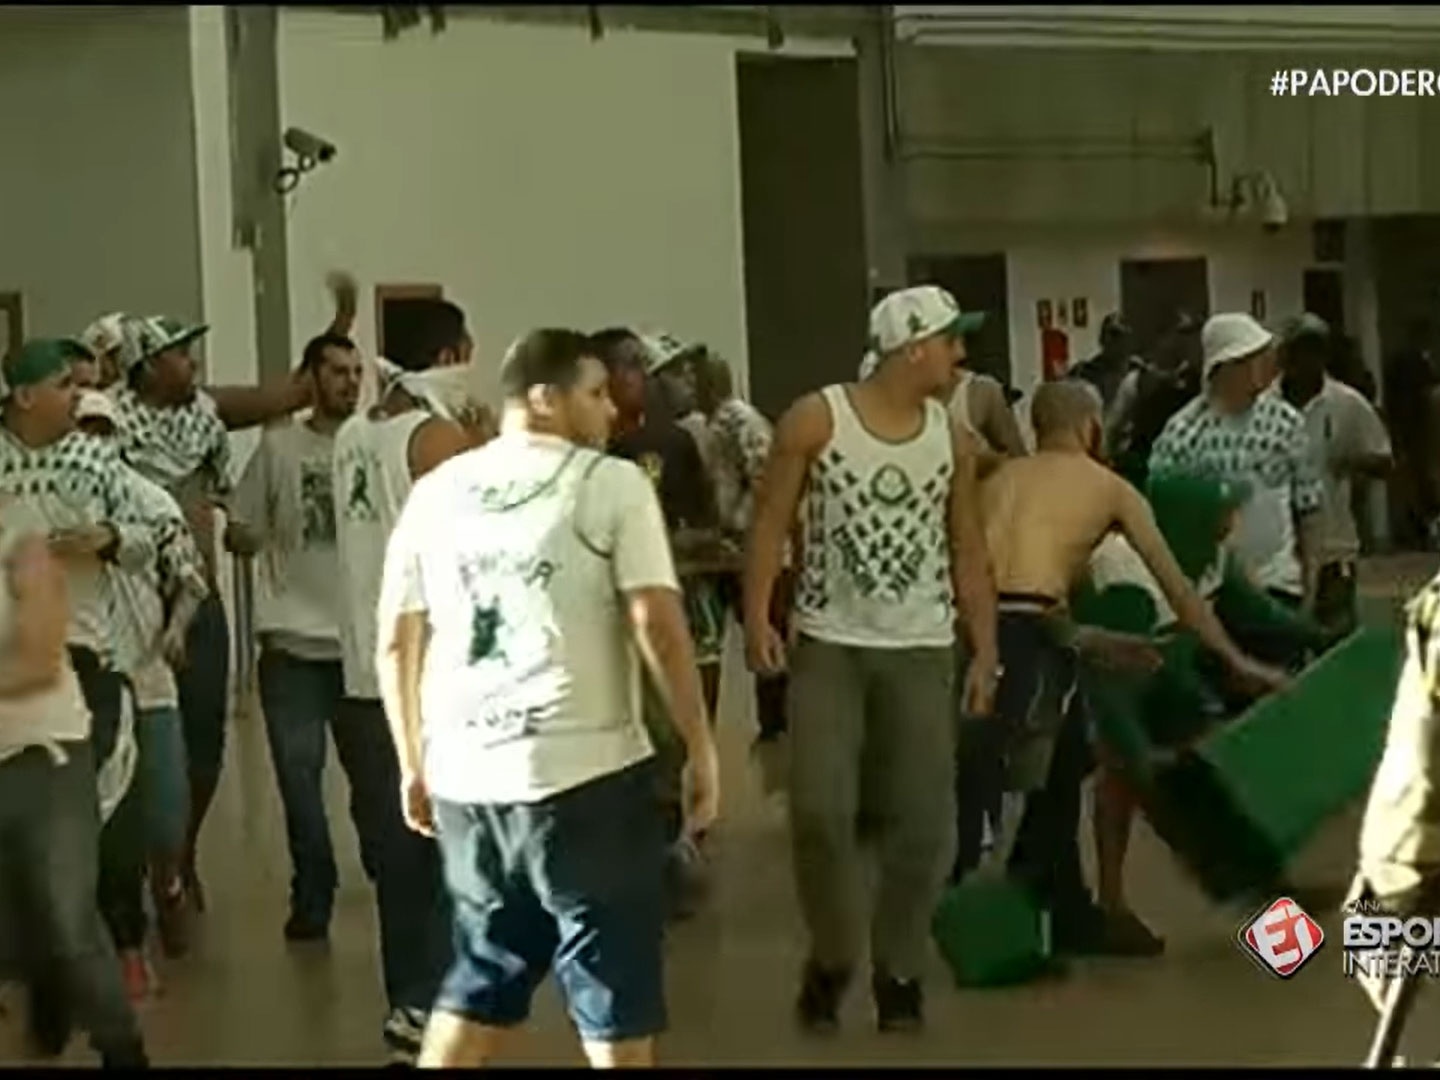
[1191, 509]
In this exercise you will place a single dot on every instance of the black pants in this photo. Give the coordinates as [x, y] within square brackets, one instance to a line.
[122, 838]
[410, 897]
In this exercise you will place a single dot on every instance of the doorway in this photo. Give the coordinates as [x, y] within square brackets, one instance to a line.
[12, 322]
[1324, 295]
[978, 283]
[393, 307]
[1156, 293]
[802, 224]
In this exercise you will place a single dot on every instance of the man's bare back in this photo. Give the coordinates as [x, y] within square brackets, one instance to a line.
[1043, 516]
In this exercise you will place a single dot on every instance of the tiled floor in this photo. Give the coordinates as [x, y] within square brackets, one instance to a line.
[245, 998]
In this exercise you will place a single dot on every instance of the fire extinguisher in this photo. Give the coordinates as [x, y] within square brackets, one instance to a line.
[1054, 352]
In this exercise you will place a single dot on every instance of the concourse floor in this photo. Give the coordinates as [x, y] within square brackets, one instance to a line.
[244, 997]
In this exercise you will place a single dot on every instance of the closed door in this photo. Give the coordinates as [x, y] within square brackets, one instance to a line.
[803, 225]
[1156, 293]
[978, 283]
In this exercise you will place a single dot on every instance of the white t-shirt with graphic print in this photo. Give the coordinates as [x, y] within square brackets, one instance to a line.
[287, 497]
[519, 555]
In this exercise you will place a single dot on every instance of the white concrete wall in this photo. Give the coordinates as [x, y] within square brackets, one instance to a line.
[98, 204]
[542, 178]
[1059, 263]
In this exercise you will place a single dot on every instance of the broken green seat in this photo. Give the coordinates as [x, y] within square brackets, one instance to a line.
[1244, 802]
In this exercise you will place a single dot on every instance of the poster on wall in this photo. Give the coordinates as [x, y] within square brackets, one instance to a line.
[1080, 312]
[1062, 313]
[1257, 304]
[1044, 317]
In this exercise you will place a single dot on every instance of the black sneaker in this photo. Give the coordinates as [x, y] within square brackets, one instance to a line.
[818, 1007]
[50, 1022]
[899, 1003]
[299, 928]
[1125, 935]
[131, 1056]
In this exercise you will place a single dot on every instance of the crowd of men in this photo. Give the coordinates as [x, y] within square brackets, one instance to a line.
[513, 631]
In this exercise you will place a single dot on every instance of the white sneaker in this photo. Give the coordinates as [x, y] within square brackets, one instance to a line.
[403, 1032]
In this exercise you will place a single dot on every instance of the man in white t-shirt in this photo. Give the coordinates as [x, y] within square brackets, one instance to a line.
[1350, 443]
[379, 453]
[284, 515]
[520, 584]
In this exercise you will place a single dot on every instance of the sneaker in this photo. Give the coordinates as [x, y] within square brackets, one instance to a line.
[130, 1056]
[403, 1033]
[818, 1007]
[1123, 934]
[899, 1003]
[172, 918]
[300, 928]
[135, 973]
[50, 1023]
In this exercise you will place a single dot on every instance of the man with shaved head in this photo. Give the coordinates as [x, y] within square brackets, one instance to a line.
[1043, 516]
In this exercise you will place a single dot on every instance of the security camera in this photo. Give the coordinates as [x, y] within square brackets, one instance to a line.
[306, 146]
[1274, 210]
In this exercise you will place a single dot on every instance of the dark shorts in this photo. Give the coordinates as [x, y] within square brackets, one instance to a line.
[1039, 678]
[574, 882]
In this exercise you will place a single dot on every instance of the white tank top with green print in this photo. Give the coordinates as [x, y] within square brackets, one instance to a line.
[875, 527]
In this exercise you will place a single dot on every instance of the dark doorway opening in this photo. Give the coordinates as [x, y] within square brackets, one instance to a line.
[803, 224]
[1156, 293]
[979, 283]
[1324, 295]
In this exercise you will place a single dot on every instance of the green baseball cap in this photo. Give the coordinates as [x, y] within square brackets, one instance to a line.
[1304, 325]
[37, 360]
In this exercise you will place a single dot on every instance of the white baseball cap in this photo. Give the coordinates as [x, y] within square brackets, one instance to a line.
[93, 405]
[662, 350]
[1231, 336]
[104, 334]
[913, 314]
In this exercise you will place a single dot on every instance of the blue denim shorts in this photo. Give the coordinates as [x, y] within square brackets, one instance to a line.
[576, 882]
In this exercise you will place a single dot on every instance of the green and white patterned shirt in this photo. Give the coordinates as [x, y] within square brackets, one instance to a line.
[173, 446]
[1265, 448]
[80, 482]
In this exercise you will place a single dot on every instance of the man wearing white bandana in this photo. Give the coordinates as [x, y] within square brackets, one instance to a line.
[379, 453]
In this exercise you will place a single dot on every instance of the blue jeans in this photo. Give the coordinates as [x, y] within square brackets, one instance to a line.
[301, 699]
[52, 931]
[574, 881]
[163, 779]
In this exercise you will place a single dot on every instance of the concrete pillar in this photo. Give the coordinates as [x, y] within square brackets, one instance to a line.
[259, 210]
[886, 240]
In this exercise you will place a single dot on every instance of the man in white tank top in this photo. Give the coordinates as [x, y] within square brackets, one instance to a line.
[890, 537]
[378, 456]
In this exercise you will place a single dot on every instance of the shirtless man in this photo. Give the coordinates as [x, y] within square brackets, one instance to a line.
[1043, 516]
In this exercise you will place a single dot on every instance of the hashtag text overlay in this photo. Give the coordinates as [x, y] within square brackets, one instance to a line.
[1357, 82]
